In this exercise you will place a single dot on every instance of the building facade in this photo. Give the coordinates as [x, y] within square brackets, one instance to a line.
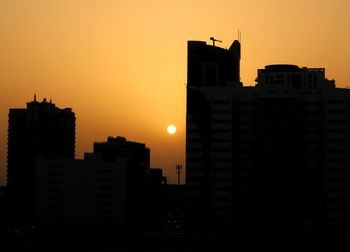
[138, 162]
[212, 73]
[265, 160]
[40, 129]
[111, 193]
[80, 198]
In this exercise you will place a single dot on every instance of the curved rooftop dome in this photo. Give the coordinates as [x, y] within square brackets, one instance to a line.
[282, 68]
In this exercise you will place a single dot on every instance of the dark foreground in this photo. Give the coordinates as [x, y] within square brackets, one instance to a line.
[183, 243]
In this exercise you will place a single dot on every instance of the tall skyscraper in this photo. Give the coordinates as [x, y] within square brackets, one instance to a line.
[212, 74]
[40, 129]
[267, 160]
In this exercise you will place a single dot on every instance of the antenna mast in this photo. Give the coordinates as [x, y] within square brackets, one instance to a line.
[178, 172]
[214, 39]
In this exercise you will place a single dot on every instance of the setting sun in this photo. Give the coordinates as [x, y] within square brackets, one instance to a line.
[101, 57]
[171, 129]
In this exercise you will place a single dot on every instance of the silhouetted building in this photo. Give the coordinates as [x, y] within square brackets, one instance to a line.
[175, 205]
[138, 162]
[155, 195]
[267, 160]
[3, 209]
[212, 73]
[40, 129]
[81, 198]
[111, 192]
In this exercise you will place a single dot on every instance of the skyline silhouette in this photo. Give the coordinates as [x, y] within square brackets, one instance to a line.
[267, 163]
[88, 54]
[40, 129]
[112, 196]
[262, 140]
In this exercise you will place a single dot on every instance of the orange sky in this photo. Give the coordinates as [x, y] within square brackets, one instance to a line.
[121, 64]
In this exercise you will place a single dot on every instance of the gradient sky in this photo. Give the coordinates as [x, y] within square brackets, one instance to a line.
[121, 64]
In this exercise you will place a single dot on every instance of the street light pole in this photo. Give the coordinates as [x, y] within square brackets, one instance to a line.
[178, 172]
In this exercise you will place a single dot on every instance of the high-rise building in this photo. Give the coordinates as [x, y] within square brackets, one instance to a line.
[212, 74]
[112, 191]
[138, 164]
[40, 129]
[80, 198]
[269, 159]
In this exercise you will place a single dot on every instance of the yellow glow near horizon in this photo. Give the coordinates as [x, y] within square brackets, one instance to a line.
[121, 65]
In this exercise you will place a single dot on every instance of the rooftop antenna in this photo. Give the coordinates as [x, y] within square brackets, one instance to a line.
[35, 97]
[214, 39]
